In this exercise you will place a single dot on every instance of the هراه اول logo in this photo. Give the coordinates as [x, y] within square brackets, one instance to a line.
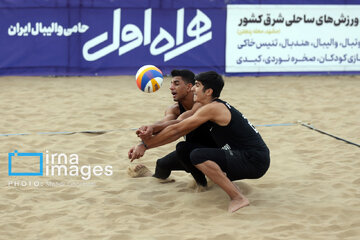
[18, 154]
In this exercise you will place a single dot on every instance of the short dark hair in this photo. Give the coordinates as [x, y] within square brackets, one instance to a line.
[211, 80]
[187, 75]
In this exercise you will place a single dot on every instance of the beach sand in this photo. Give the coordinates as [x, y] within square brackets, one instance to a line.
[311, 191]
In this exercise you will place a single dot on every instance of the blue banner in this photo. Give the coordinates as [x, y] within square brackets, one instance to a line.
[105, 41]
[117, 37]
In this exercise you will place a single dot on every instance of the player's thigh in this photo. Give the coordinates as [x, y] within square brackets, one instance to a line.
[200, 155]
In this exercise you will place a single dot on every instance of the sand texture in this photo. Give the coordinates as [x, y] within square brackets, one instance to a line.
[311, 191]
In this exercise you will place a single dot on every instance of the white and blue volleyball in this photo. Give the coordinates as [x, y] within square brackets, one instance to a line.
[149, 78]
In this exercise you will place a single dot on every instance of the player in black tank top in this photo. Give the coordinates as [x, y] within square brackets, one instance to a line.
[241, 152]
[239, 134]
[178, 160]
[200, 135]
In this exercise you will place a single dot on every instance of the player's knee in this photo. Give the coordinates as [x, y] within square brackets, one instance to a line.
[160, 163]
[181, 148]
[197, 156]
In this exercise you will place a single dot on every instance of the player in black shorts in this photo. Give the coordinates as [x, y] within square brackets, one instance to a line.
[241, 152]
[181, 84]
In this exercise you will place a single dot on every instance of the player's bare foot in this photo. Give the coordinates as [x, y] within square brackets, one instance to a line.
[167, 180]
[197, 187]
[237, 203]
[200, 188]
[139, 170]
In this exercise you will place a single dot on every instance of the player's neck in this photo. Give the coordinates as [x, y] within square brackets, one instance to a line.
[188, 102]
[206, 100]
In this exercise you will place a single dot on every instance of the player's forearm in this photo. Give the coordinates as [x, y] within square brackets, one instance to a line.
[158, 127]
[168, 135]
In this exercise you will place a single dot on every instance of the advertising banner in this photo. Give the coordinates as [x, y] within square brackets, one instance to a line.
[104, 41]
[118, 37]
[292, 38]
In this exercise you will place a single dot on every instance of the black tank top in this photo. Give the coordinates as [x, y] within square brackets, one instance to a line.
[200, 135]
[239, 134]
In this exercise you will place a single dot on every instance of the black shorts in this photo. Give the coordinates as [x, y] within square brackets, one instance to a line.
[236, 164]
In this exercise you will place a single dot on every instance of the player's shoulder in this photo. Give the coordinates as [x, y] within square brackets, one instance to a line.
[196, 106]
[214, 105]
[174, 109]
[211, 108]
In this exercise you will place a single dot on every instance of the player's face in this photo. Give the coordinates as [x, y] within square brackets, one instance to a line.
[178, 88]
[198, 90]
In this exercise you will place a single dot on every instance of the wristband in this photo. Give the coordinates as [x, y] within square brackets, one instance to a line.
[143, 143]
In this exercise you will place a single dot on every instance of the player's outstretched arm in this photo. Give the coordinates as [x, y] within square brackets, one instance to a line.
[175, 131]
[190, 112]
[146, 131]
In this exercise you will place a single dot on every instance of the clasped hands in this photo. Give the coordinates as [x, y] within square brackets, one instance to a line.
[137, 151]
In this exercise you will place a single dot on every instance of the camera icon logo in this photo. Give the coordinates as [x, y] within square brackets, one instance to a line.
[36, 157]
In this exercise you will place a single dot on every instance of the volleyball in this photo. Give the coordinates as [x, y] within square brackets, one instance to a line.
[149, 78]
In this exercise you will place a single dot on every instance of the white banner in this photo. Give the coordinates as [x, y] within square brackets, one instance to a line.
[292, 38]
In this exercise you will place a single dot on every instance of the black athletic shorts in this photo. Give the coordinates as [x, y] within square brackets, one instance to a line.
[236, 164]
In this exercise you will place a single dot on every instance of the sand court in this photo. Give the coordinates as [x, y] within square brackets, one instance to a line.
[311, 191]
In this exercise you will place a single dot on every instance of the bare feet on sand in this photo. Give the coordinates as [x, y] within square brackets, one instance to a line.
[139, 170]
[197, 187]
[237, 203]
[167, 180]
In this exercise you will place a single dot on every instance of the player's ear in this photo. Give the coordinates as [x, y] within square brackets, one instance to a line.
[209, 92]
[188, 87]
